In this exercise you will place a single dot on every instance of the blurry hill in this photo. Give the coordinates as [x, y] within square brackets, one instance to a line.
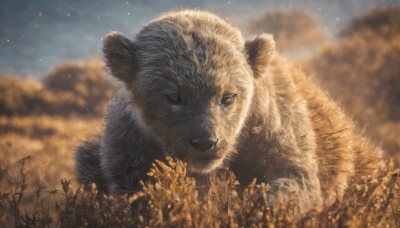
[37, 35]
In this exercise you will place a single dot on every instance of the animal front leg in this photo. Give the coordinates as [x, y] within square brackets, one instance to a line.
[302, 188]
[283, 190]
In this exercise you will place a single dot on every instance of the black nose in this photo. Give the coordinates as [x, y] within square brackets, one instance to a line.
[203, 144]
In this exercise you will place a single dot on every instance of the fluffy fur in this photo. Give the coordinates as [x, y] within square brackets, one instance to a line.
[239, 105]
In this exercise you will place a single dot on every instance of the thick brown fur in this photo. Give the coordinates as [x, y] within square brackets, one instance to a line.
[195, 90]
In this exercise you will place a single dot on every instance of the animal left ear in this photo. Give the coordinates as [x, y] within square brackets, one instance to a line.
[260, 51]
[120, 56]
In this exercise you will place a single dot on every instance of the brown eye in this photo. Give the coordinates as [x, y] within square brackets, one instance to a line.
[228, 99]
[174, 98]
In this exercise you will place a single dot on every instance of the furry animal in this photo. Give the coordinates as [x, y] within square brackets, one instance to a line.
[195, 90]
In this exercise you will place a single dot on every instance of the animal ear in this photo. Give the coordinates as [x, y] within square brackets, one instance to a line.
[119, 53]
[259, 53]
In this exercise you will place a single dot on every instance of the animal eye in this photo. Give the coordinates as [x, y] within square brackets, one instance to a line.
[228, 99]
[174, 98]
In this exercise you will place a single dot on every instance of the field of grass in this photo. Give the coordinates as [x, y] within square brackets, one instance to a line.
[42, 122]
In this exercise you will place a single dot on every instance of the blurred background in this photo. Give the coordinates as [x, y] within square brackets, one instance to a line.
[54, 87]
[37, 35]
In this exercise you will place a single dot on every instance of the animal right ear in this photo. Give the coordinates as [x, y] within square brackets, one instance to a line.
[260, 51]
[119, 53]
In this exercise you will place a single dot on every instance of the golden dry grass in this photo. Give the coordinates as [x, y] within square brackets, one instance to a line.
[49, 141]
[171, 199]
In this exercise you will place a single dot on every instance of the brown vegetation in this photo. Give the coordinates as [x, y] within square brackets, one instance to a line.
[362, 72]
[294, 31]
[71, 88]
[87, 82]
[383, 21]
[50, 142]
[171, 200]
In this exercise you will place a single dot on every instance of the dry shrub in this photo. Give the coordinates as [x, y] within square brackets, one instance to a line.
[362, 72]
[60, 208]
[383, 21]
[86, 81]
[292, 29]
[389, 135]
[49, 141]
[171, 200]
[72, 88]
[24, 97]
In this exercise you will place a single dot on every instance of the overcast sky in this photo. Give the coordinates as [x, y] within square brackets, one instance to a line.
[36, 35]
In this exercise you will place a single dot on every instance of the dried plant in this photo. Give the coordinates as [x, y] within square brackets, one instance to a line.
[361, 71]
[72, 88]
[294, 31]
[171, 199]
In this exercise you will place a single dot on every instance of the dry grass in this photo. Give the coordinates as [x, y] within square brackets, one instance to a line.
[172, 200]
[49, 141]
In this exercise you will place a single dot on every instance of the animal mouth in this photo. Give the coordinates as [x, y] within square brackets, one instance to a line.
[204, 164]
[207, 159]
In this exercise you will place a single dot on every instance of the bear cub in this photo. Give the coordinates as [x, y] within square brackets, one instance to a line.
[194, 89]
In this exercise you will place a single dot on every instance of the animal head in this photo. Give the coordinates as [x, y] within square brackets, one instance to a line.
[191, 77]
